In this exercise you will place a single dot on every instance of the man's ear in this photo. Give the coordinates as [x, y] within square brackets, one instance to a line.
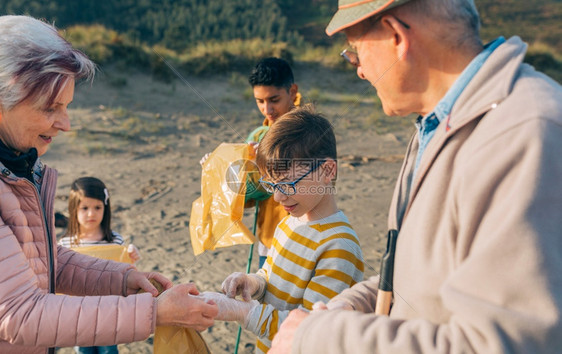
[293, 91]
[400, 34]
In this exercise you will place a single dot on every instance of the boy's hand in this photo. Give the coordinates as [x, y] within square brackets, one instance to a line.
[204, 158]
[332, 305]
[229, 309]
[247, 285]
[254, 151]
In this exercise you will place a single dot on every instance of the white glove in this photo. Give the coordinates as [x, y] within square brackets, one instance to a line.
[331, 305]
[319, 306]
[204, 158]
[250, 286]
[229, 309]
[254, 151]
[339, 305]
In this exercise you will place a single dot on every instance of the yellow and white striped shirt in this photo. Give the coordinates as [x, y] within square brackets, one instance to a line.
[308, 262]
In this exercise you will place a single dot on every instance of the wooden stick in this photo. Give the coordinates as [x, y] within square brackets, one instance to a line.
[384, 299]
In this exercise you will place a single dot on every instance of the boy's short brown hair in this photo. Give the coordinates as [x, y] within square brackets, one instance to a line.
[302, 135]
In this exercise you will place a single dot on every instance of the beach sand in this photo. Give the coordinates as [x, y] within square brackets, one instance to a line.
[145, 138]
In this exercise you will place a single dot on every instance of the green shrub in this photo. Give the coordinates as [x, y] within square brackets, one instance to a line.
[326, 56]
[544, 58]
[117, 81]
[160, 62]
[176, 24]
[105, 46]
[235, 55]
[94, 40]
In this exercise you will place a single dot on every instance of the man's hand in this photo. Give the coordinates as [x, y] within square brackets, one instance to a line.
[283, 340]
[178, 307]
[138, 280]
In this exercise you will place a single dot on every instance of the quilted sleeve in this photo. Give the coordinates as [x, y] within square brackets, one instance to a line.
[79, 274]
[29, 316]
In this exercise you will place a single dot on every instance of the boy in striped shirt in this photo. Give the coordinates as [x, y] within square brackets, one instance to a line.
[315, 253]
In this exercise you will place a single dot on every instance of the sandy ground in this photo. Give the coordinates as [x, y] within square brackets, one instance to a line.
[144, 140]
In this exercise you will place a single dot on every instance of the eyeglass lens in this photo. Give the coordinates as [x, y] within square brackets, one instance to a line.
[351, 57]
[285, 188]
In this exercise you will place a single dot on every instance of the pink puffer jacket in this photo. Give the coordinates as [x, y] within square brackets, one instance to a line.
[31, 318]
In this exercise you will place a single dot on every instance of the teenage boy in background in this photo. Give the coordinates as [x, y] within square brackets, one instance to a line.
[276, 93]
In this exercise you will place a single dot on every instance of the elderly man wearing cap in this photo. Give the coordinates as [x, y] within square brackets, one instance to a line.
[477, 203]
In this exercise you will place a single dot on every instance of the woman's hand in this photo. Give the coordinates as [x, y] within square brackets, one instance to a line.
[142, 281]
[178, 307]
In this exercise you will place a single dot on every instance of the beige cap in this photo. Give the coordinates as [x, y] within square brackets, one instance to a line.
[351, 12]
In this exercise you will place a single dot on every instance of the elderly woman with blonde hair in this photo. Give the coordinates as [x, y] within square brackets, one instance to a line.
[38, 70]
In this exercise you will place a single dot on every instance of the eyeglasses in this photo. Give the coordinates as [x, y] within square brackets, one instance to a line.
[351, 55]
[288, 188]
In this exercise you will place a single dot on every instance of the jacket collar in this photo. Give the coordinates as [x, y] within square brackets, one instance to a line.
[21, 165]
[6, 164]
[491, 85]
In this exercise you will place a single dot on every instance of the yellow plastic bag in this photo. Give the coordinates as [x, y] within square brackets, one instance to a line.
[178, 340]
[216, 216]
[112, 252]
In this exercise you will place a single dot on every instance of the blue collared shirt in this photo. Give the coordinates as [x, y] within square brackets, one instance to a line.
[427, 124]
